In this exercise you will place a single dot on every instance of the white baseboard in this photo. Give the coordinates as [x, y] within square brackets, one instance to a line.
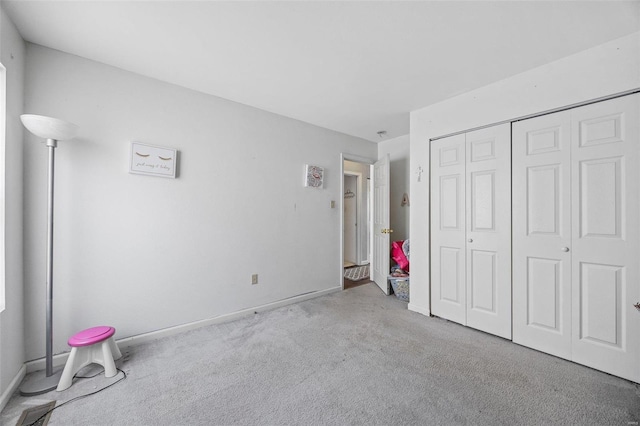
[6, 395]
[39, 364]
[147, 337]
[61, 359]
[419, 309]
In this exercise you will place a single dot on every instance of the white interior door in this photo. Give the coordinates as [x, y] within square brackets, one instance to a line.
[606, 236]
[542, 233]
[488, 229]
[448, 250]
[381, 230]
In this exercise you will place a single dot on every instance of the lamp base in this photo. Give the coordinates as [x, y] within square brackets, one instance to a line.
[38, 383]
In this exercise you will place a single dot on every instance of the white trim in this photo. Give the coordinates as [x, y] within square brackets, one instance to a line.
[546, 112]
[360, 159]
[61, 359]
[356, 158]
[13, 386]
[3, 135]
[419, 309]
[358, 176]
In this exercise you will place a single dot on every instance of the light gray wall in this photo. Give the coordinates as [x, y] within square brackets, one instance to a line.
[602, 70]
[144, 253]
[12, 56]
[398, 150]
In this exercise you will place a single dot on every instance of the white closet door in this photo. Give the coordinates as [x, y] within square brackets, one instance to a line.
[488, 225]
[576, 235]
[542, 233]
[606, 236]
[448, 228]
[471, 229]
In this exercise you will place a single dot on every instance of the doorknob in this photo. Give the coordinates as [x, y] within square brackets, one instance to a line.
[470, 240]
[565, 249]
[386, 231]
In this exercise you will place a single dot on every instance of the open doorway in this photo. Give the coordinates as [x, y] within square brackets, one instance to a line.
[350, 211]
[356, 222]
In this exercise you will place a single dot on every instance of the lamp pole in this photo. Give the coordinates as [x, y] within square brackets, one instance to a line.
[52, 145]
[52, 130]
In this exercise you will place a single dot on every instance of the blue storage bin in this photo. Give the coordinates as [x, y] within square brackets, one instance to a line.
[400, 287]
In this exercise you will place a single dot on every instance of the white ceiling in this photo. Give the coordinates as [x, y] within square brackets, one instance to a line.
[354, 67]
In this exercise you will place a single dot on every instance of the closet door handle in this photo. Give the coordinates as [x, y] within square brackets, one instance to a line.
[565, 249]
[470, 240]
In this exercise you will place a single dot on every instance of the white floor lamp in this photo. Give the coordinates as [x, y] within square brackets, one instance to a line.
[52, 130]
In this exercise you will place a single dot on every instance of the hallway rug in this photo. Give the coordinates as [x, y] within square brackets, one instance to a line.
[357, 273]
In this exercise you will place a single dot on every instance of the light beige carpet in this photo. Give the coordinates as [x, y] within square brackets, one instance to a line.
[354, 357]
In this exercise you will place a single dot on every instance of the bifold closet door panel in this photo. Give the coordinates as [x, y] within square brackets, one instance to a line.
[576, 235]
[541, 181]
[448, 294]
[606, 235]
[488, 226]
[471, 229]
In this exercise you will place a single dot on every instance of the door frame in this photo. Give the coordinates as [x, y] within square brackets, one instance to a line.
[359, 159]
[3, 136]
[358, 177]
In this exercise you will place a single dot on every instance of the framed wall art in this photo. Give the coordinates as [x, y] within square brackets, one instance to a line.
[152, 160]
[313, 176]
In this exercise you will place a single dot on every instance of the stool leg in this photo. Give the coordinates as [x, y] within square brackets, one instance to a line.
[115, 350]
[69, 371]
[107, 359]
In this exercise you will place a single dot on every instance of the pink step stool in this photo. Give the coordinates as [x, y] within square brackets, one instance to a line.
[91, 346]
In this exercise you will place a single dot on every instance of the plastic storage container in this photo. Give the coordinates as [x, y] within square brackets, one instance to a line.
[400, 287]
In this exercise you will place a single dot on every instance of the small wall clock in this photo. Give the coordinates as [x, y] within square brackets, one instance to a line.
[314, 176]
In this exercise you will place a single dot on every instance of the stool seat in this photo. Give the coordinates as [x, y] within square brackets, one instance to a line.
[91, 335]
[91, 346]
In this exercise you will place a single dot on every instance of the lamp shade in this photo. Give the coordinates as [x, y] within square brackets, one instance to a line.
[48, 127]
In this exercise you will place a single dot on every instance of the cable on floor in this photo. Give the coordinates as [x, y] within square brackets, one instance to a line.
[124, 376]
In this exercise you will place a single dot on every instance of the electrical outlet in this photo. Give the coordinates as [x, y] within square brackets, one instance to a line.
[254, 279]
